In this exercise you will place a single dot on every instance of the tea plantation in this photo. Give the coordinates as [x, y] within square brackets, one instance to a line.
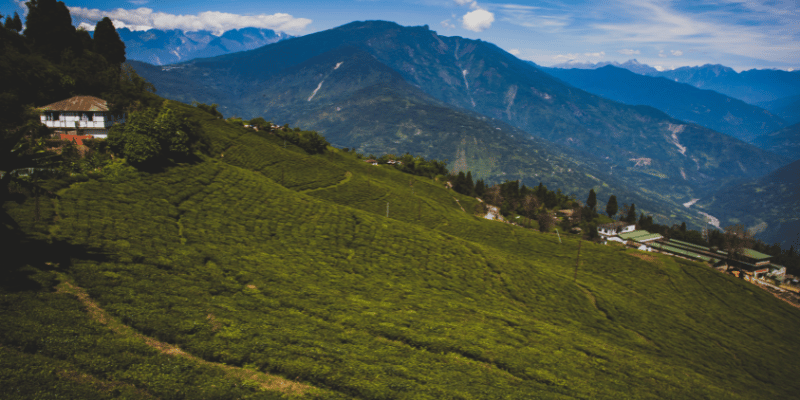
[278, 274]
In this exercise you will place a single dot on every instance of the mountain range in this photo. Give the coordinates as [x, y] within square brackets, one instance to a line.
[631, 65]
[682, 101]
[335, 81]
[160, 47]
[755, 86]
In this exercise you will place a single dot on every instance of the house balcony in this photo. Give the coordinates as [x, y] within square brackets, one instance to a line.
[77, 124]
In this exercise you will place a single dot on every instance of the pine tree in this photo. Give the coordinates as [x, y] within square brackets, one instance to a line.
[17, 26]
[631, 217]
[49, 28]
[480, 188]
[683, 226]
[591, 202]
[107, 42]
[612, 207]
[469, 185]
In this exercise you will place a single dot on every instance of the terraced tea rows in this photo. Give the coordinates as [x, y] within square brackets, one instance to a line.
[223, 260]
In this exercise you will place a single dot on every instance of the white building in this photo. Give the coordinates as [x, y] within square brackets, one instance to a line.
[615, 228]
[87, 113]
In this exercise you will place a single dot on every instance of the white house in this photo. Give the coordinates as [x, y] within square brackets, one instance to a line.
[87, 113]
[615, 228]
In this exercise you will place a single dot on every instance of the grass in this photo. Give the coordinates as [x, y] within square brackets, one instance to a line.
[222, 261]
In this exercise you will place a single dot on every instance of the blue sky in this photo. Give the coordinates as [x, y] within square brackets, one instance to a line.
[742, 34]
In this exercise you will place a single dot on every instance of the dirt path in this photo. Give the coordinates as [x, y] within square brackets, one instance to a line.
[347, 176]
[265, 381]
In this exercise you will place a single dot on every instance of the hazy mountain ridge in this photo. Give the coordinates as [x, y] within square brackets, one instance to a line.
[679, 100]
[159, 47]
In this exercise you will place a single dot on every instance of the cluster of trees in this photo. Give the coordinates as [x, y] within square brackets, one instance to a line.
[47, 61]
[151, 135]
[511, 197]
[414, 165]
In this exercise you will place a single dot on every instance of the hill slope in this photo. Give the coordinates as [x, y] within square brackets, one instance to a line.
[309, 281]
[682, 101]
[775, 196]
[785, 142]
[787, 108]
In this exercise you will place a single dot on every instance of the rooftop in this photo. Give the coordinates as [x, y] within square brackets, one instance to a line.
[633, 235]
[78, 103]
[750, 253]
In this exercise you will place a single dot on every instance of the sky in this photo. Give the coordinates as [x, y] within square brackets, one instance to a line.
[741, 34]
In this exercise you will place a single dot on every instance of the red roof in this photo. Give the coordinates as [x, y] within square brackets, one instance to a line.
[78, 103]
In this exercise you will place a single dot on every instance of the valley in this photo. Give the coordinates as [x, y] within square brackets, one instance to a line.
[599, 137]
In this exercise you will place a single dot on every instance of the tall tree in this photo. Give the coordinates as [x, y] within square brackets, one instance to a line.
[49, 28]
[17, 25]
[631, 217]
[469, 184]
[736, 239]
[612, 207]
[13, 23]
[480, 188]
[591, 202]
[545, 221]
[529, 204]
[107, 42]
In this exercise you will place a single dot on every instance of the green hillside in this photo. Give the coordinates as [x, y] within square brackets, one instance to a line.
[259, 271]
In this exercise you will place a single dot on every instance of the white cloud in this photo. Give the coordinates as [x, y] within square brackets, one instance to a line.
[595, 55]
[676, 53]
[463, 2]
[629, 52]
[658, 68]
[515, 52]
[661, 54]
[139, 2]
[755, 29]
[566, 57]
[533, 17]
[478, 20]
[447, 24]
[214, 21]
[21, 5]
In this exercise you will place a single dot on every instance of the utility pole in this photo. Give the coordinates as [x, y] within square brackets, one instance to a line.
[387, 209]
[559, 237]
[575, 279]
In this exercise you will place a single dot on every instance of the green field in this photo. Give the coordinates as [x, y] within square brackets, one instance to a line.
[278, 274]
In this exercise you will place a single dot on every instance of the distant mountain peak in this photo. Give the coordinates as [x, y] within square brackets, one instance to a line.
[631, 65]
[161, 47]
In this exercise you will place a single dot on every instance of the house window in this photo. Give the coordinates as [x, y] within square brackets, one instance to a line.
[87, 117]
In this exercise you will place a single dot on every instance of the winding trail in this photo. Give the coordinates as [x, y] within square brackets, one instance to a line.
[347, 176]
[265, 381]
